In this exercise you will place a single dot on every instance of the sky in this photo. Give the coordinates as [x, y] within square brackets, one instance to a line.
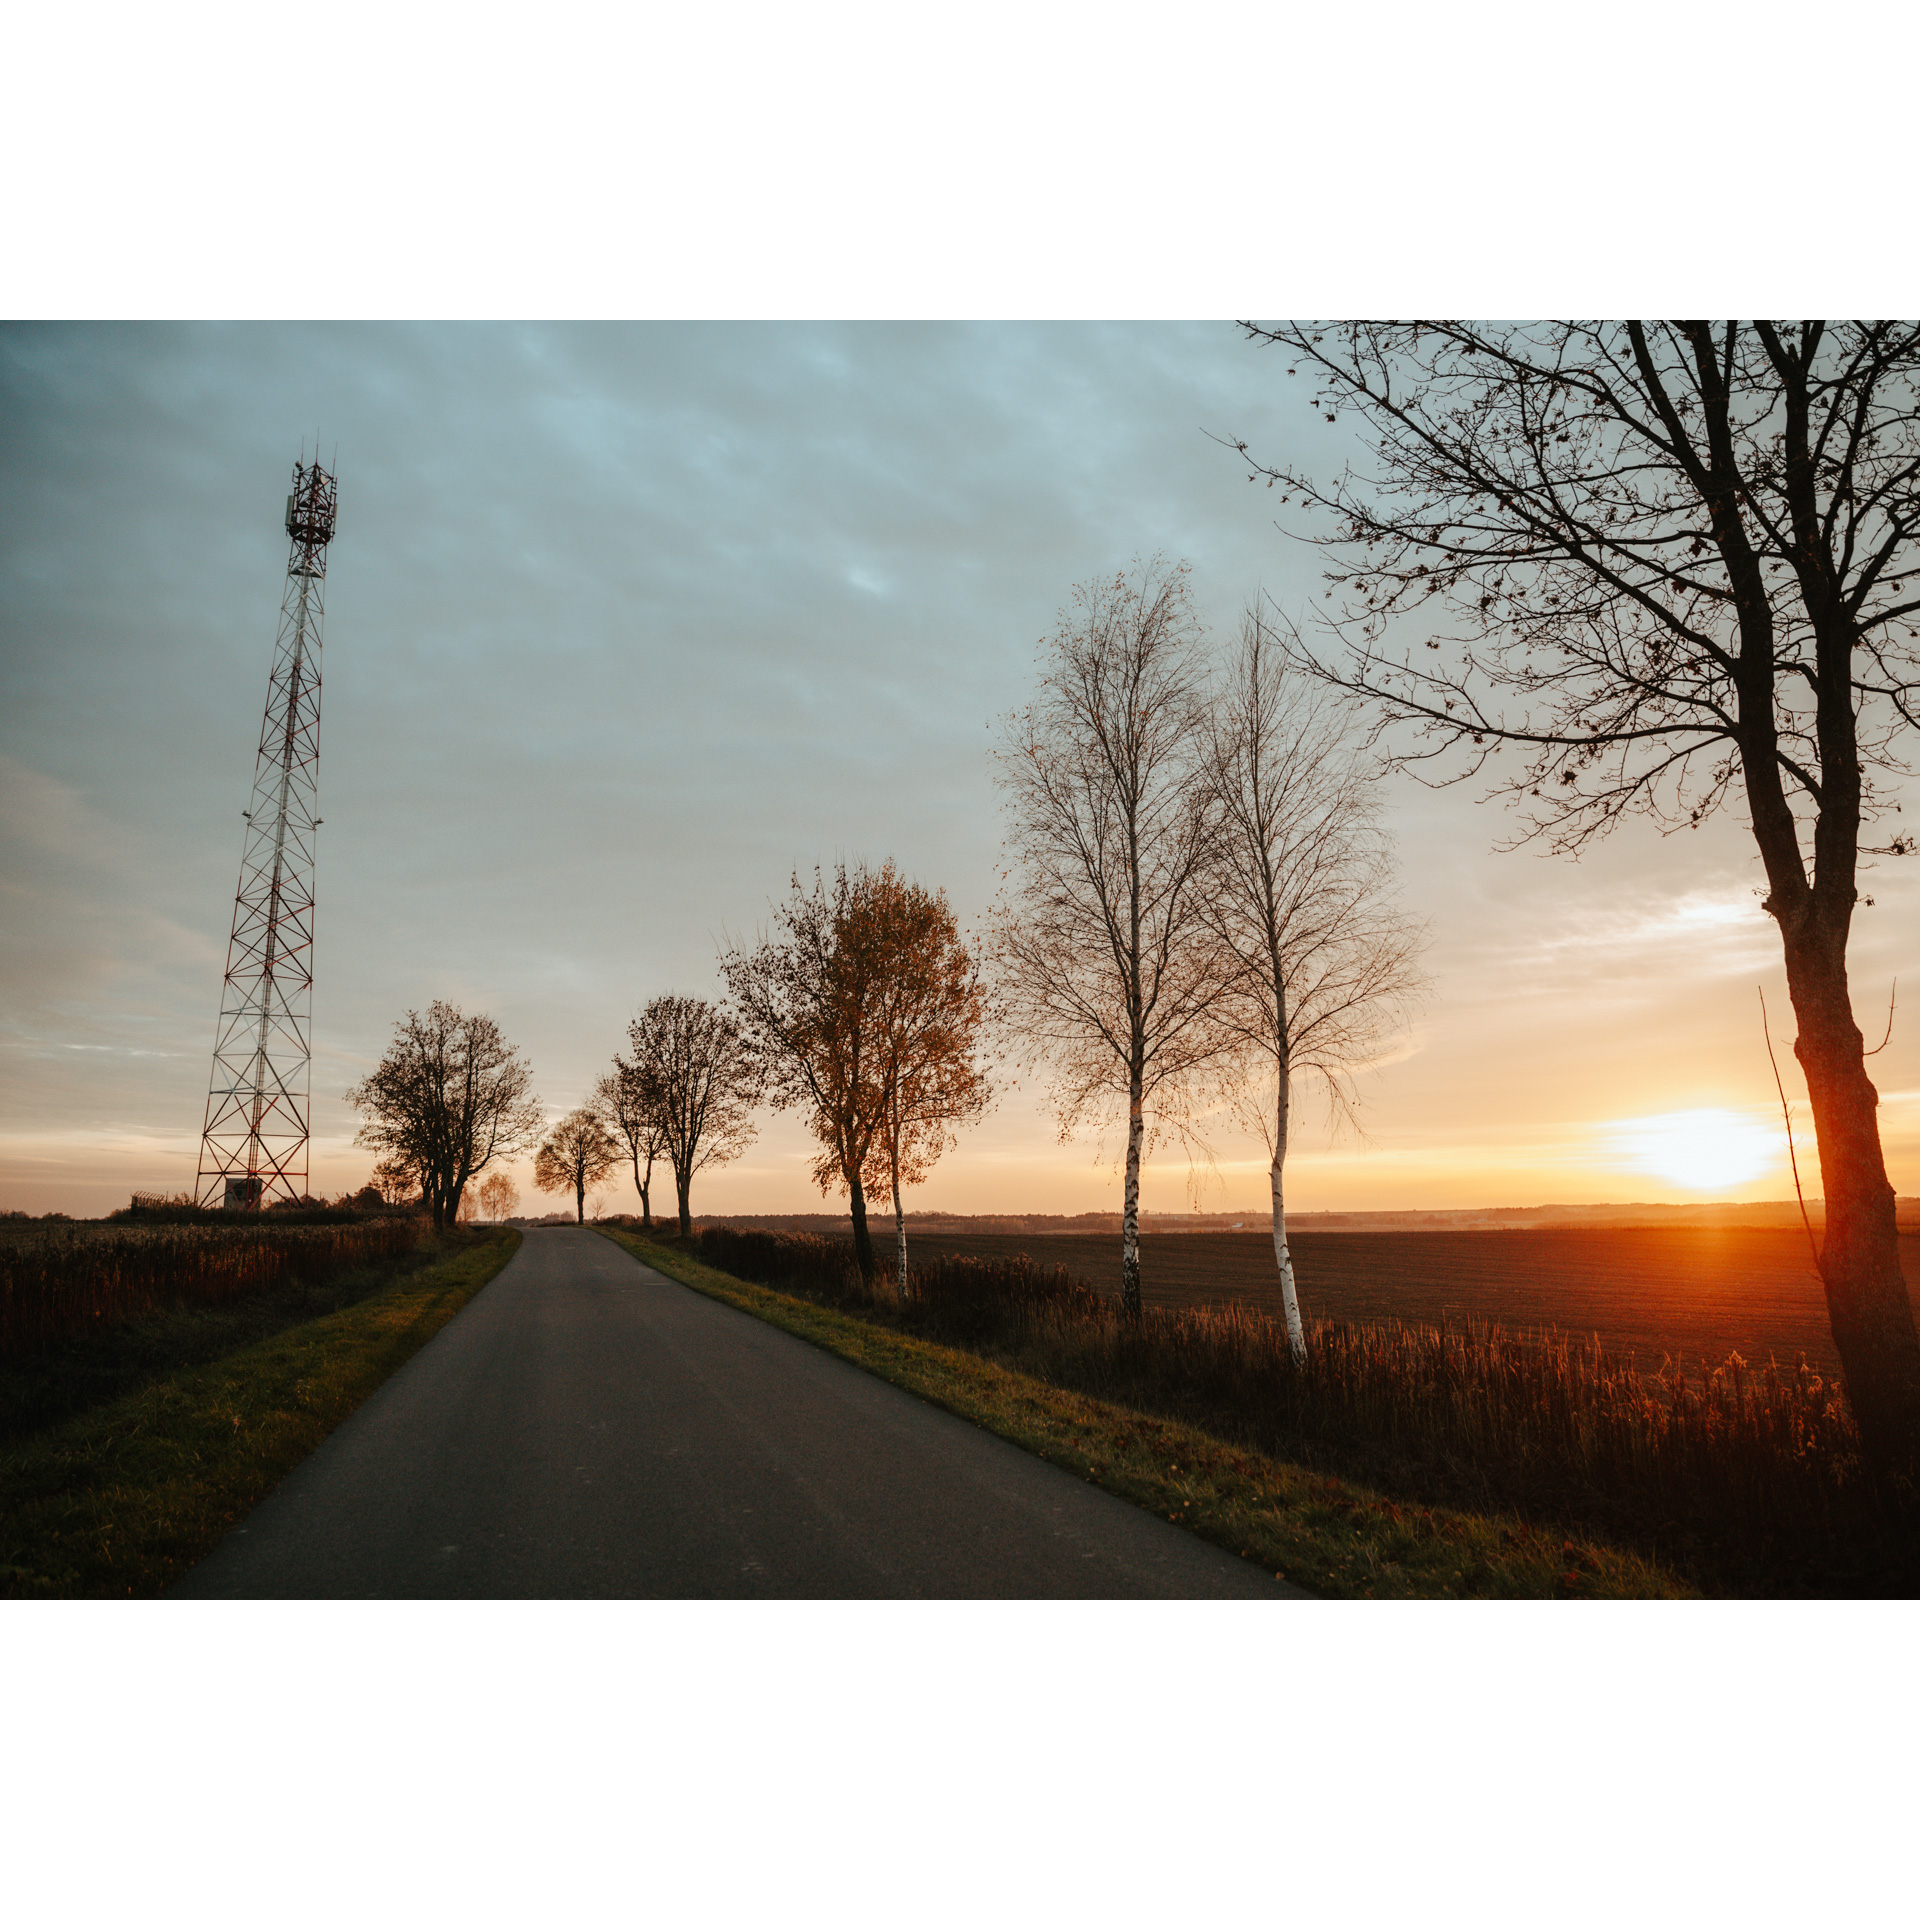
[627, 623]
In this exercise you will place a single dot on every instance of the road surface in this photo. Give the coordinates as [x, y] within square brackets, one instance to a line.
[588, 1428]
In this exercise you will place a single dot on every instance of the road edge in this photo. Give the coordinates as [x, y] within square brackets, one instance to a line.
[1322, 1534]
[121, 1501]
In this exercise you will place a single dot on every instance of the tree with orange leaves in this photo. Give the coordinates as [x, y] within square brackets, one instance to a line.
[864, 1008]
[578, 1153]
[498, 1196]
[931, 1017]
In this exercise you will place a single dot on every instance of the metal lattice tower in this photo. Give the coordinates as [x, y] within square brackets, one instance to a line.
[254, 1146]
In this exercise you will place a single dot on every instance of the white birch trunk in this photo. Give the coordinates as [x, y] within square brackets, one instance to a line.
[1289, 1300]
[1282, 1125]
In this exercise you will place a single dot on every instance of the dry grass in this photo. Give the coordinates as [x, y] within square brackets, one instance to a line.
[1652, 1292]
[58, 1281]
[1330, 1533]
[1748, 1477]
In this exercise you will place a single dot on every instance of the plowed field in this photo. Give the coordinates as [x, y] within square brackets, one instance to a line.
[1696, 1292]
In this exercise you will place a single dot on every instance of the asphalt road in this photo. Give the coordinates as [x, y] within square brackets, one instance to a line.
[587, 1428]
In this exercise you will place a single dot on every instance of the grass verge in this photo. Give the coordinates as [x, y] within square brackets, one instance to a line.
[121, 1500]
[1329, 1535]
[47, 1385]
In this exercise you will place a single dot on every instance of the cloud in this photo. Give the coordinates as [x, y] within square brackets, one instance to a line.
[626, 623]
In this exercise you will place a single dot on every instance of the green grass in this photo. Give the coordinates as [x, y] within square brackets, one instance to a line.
[121, 1499]
[1330, 1535]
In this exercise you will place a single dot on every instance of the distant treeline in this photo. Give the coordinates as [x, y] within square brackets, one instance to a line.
[1757, 1213]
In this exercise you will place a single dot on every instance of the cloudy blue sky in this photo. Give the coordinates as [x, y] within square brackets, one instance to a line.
[625, 623]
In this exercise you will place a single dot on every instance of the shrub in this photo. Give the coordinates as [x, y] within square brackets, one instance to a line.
[808, 1261]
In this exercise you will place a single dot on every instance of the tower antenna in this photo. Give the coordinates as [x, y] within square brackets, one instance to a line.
[253, 1148]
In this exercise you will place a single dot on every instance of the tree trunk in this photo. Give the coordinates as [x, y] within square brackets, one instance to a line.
[1130, 1215]
[685, 1189]
[1283, 1258]
[580, 1198]
[1867, 1301]
[646, 1206]
[899, 1229]
[862, 1239]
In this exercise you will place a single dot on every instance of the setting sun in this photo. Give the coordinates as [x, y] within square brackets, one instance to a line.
[1706, 1148]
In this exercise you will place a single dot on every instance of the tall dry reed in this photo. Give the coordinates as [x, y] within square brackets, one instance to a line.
[1756, 1467]
[67, 1280]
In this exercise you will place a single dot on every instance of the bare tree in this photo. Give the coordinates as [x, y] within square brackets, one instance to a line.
[1323, 965]
[809, 996]
[629, 1100]
[579, 1153]
[1679, 563]
[708, 1082]
[1103, 963]
[930, 1014]
[397, 1185]
[448, 1097]
[498, 1197]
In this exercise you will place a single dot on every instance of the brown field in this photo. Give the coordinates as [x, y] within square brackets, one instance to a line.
[1697, 1293]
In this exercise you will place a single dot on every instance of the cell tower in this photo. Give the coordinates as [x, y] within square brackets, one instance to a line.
[254, 1147]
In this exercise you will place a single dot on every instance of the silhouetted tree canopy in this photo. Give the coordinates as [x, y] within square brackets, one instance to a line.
[707, 1081]
[448, 1098]
[631, 1101]
[1617, 567]
[578, 1152]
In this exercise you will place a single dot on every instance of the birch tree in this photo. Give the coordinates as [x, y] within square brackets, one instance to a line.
[930, 1017]
[1323, 966]
[498, 1196]
[1103, 964]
